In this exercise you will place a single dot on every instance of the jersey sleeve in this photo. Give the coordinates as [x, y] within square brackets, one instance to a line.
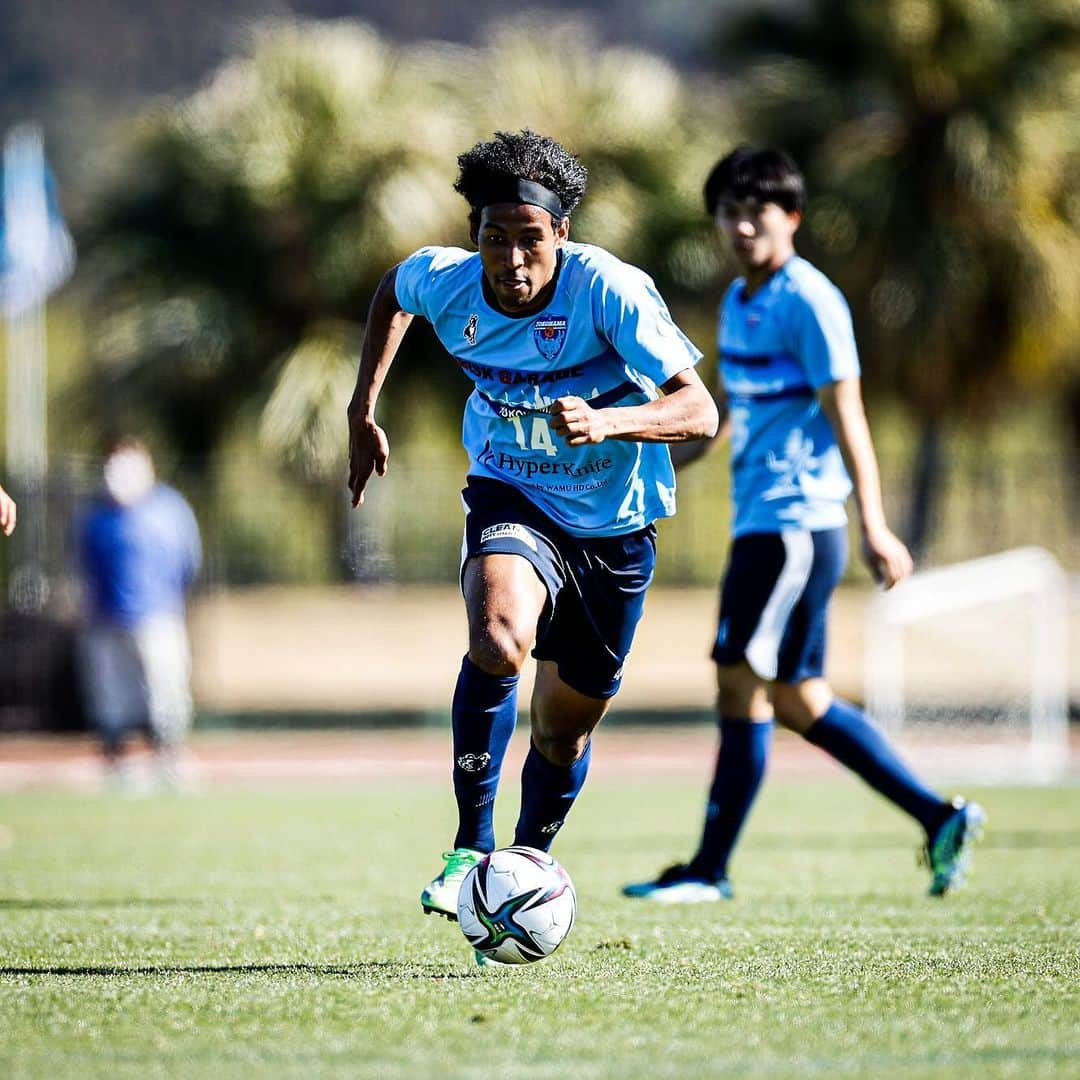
[824, 337]
[637, 323]
[419, 275]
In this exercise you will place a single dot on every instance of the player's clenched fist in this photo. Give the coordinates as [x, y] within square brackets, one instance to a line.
[889, 560]
[577, 422]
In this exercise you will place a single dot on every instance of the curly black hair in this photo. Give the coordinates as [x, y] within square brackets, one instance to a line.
[767, 174]
[523, 155]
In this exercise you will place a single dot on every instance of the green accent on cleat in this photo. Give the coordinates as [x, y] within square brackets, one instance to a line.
[948, 854]
[679, 884]
[441, 896]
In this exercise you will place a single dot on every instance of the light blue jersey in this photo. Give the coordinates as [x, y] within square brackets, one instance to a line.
[606, 336]
[776, 349]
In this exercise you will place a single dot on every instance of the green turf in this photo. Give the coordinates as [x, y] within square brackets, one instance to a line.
[278, 932]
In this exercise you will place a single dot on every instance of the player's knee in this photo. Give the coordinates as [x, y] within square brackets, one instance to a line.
[729, 702]
[498, 650]
[796, 706]
[791, 719]
[560, 749]
[739, 691]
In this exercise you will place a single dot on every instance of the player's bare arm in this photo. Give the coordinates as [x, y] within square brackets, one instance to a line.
[685, 453]
[685, 411]
[889, 560]
[7, 513]
[369, 449]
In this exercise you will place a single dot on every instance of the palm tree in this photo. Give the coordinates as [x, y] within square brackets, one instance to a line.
[235, 252]
[942, 141]
[234, 256]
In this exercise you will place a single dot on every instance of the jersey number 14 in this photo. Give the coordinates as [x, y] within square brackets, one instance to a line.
[539, 435]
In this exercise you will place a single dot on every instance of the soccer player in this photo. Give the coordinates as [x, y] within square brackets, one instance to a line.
[7, 513]
[580, 379]
[799, 445]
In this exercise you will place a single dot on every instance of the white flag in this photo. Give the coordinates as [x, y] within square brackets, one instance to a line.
[37, 254]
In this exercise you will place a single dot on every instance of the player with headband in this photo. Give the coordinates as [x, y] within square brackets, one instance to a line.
[580, 379]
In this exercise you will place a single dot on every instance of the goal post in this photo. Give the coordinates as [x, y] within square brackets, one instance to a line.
[977, 650]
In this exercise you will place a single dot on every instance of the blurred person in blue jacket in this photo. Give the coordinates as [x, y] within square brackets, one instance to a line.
[139, 552]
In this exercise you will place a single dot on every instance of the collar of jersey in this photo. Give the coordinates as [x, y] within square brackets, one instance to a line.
[767, 285]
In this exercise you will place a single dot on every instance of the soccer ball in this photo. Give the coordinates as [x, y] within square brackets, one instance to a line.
[516, 905]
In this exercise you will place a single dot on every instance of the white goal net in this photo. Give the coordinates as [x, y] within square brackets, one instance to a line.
[969, 663]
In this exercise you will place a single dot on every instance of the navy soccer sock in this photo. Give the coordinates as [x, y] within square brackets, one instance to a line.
[740, 766]
[846, 734]
[484, 714]
[547, 793]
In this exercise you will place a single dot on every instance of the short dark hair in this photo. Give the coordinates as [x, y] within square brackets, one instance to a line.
[522, 155]
[767, 174]
[114, 439]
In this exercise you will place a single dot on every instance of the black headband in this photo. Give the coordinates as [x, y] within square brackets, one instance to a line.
[513, 189]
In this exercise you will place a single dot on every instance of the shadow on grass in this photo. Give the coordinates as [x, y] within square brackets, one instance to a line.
[344, 971]
[1026, 840]
[66, 903]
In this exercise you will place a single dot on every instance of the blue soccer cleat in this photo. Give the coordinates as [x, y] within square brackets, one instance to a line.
[948, 854]
[441, 895]
[681, 884]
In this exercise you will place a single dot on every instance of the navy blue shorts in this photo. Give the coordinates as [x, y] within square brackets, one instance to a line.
[774, 601]
[595, 585]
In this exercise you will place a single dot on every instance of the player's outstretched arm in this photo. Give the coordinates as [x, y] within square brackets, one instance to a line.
[889, 560]
[7, 513]
[369, 449]
[686, 411]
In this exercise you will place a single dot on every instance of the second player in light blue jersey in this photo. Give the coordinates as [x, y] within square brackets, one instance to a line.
[580, 379]
[800, 445]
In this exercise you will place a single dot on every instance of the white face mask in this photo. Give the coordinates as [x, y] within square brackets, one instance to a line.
[129, 475]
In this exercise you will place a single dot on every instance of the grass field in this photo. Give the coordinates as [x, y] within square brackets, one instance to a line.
[277, 932]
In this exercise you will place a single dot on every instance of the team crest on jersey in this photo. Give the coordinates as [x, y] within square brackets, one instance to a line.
[549, 334]
[469, 333]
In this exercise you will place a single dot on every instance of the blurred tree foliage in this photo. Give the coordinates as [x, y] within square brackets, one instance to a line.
[942, 145]
[77, 83]
[232, 260]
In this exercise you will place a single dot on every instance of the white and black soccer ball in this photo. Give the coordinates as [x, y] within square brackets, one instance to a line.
[516, 905]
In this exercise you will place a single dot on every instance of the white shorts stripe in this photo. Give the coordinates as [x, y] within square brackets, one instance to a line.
[464, 546]
[763, 649]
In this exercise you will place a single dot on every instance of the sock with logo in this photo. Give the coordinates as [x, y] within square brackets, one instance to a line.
[547, 793]
[740, 766]
[484, 713]
[846, 734]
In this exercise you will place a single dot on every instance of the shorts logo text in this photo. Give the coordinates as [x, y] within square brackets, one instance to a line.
[509, 530]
